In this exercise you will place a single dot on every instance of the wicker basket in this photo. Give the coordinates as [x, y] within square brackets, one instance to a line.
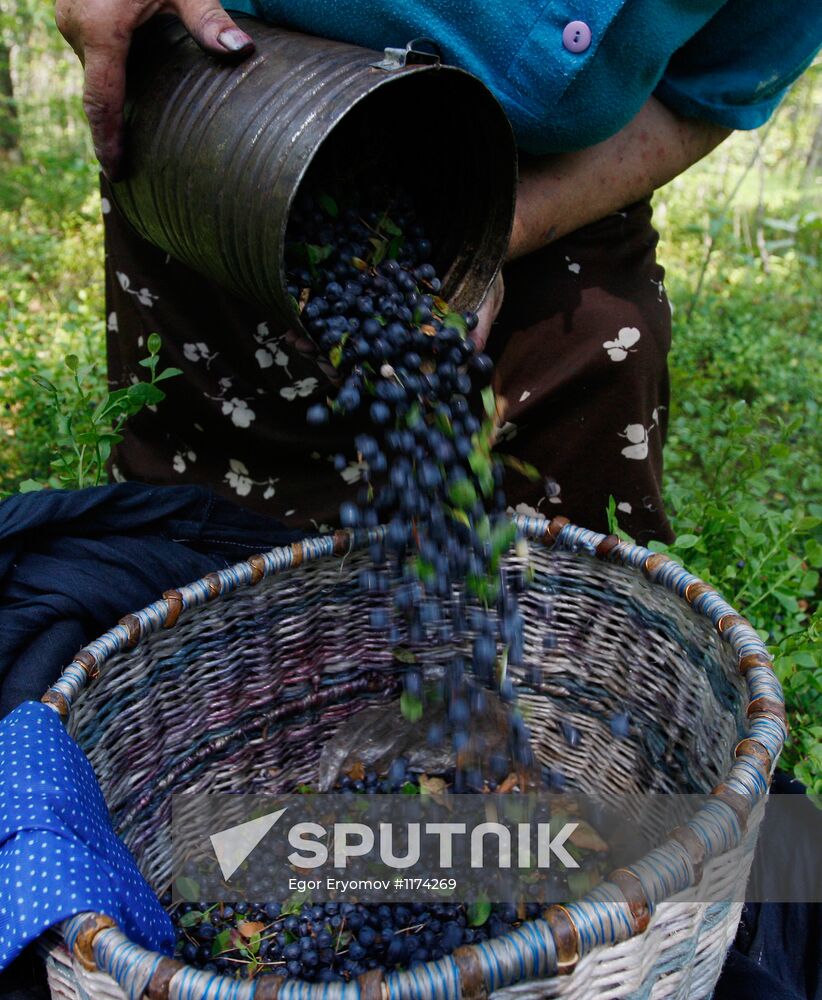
[237, 680]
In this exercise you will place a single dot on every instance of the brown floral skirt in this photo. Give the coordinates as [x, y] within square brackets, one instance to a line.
[580, 346]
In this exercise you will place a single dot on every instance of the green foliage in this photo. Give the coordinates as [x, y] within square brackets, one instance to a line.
[87, 431]
[743, 465]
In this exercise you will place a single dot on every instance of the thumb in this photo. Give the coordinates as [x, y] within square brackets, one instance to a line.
[212, 28]
[103, 94]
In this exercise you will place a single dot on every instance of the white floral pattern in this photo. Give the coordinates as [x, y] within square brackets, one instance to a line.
[180, 460]
[235, 407]
[199, 352]
[143, 295]
[239, 479]
[240, 412]
[637, 437]
[270, 352]
[619, 349]
[299, 389]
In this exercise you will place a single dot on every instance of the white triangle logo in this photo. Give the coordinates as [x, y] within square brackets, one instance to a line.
[233, 846]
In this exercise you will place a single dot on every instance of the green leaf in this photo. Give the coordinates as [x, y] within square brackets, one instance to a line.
[191, 919]
[411, 707]
[328, 205]
[145, 394]
[72, 362]
[188, 888]
[317, 254]
[377, 256]
[489, 401]
[150, 362]
[30, 486]
[294, 903]
[387, 226]
[168, 373]
[478, 912]
[224, 941]
[335, 355]
[461, 516]
[503, 537]
[463, 494]
[523, 468]
[44, 384]
[409, 788]
[403, 655]
[154, 343]
[686, 541]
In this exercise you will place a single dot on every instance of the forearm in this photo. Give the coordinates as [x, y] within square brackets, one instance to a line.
[558, 194]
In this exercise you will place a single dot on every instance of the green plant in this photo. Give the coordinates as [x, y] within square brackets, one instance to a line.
[87, 432]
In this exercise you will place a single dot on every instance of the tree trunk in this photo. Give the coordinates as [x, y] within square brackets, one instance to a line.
[9, 124]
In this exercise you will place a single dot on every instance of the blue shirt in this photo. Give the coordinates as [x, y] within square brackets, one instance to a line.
[728, 63]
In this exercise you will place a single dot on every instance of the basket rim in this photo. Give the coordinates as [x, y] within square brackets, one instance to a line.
[551, 945]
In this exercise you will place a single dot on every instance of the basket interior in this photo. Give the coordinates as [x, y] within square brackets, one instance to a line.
[243, 692]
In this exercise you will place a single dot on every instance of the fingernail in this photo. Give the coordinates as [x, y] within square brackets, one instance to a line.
[234, 40]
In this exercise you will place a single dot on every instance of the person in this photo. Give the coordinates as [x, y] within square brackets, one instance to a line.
[608, 100]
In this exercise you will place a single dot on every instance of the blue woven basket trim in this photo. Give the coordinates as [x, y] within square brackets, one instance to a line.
[748, 643]
[194, 984]
[664, 871]
[71, 682]
[525, 953]
[425, 980]
[296, 989]
[744, 640]
[602, 917]
[770, 732]
[763, 683]
[717, 827]
[673, 577]
[72, 927]
[127, 963]
[712, 605]
[746, 779]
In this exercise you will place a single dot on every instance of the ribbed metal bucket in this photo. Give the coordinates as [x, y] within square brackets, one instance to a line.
[216, 153]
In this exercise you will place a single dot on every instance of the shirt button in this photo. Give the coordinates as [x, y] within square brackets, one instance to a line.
[576, 36]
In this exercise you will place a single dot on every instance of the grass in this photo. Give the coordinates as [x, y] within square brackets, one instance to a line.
[742, 244]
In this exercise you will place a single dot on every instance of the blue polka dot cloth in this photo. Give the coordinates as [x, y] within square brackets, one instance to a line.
[59, 855]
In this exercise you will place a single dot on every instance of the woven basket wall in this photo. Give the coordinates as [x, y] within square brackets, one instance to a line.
[263, 661]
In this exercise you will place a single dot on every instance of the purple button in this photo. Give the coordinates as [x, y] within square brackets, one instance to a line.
[576, 36]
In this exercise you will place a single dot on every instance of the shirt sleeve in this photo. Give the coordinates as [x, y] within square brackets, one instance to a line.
[738, 67]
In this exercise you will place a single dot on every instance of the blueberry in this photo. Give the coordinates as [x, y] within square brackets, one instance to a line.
[349, 515]
[317, 414]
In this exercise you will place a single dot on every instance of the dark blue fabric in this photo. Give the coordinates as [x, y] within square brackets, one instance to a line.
[777, 954]
[72, 563]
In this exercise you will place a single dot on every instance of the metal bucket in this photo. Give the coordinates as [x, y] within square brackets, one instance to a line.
[215, 152]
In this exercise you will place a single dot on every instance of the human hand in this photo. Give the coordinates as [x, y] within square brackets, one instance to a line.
[100, 33]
